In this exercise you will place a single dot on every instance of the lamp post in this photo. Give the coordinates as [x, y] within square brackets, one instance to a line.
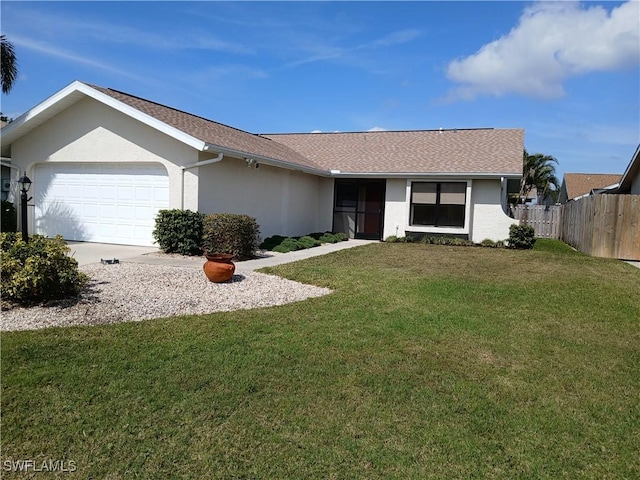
[25, 185]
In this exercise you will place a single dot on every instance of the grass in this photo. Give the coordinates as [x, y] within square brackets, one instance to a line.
[426, 362]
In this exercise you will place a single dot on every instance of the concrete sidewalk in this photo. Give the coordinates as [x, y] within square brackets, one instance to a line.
[87, 253]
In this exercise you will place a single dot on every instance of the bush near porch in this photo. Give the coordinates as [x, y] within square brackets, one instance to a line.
[193, 233]
[231, 233]
[179, 231]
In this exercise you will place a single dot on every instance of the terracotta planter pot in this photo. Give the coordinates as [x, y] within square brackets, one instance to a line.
[219, 267]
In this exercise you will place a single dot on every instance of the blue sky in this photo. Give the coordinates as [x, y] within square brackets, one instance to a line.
[567, 72]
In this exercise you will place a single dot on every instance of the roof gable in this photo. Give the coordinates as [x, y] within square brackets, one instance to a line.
[632, 172]
[227, 139]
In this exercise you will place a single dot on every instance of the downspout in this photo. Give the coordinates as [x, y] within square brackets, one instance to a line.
[194, 165]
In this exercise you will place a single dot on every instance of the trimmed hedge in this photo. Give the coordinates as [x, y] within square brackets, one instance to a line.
[39, 270]
[179, 231]
[231, 233]
[521, 236]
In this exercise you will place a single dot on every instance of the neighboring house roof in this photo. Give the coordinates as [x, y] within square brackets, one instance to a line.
[477, 151]
[481, 152]
[578, 184]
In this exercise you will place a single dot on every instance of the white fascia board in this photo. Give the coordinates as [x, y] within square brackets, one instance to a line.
[465, 175]
[265, 160]
[65, 97]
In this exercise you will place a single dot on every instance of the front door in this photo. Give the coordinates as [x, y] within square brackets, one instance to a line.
[358, 208]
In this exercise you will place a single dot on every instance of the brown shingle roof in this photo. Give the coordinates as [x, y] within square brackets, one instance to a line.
[482, 151]
[212, 132]
[578, 184]
[418, 151]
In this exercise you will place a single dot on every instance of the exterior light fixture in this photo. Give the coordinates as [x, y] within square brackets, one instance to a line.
[25, 185]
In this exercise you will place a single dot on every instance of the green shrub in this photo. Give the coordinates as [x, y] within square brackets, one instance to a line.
[487, 242]
[275, 243]
[450, 241]
[270, 243]
[404, 240]
[38, 270]
[391, 239]
[9, 222]
[341, 237]
[179, 231]
[308, 242]
[327, 237]
[289, 244]
[231, 233]
[500, 244]
[521, 236]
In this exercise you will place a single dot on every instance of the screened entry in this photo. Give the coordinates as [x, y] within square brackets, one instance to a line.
[358, 208]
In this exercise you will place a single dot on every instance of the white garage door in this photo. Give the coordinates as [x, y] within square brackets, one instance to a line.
[109, 203]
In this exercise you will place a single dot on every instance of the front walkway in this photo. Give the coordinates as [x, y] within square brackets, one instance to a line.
[87, 253]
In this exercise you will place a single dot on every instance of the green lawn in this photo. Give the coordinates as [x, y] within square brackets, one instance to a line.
[427, 362]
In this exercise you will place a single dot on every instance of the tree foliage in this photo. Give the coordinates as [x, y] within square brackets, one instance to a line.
[9, 71]
[539, 172]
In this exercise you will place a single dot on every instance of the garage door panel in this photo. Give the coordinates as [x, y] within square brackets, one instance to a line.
[111, 203]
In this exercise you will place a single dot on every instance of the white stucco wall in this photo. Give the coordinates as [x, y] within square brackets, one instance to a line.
[488, 219]
[395, 208]
[484, 218]
[284, 202]
[89, 131]
[635, 185]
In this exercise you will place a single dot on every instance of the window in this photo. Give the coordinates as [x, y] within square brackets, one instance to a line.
[438, 204]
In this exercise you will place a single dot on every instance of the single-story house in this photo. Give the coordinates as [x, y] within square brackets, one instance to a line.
[576, 185]
[104, 162]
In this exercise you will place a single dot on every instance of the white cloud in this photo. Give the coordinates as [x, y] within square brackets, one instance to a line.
[377, 129]
[319, 51]
[80, 28]
[552, 42]
[52, 51]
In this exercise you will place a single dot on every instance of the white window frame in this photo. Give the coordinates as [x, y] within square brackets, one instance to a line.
[433, 229]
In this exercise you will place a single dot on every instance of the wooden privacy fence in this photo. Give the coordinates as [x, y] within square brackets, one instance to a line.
[603, 225]
[545, 219]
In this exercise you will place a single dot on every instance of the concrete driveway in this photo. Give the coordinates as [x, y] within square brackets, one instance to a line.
[89, 252]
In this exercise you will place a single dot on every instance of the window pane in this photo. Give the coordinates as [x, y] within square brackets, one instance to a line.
[423, 215]
[453, 193]
[451, 216]
[424, 193]
[346, 194]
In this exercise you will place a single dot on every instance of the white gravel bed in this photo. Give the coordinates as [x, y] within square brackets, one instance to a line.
[129, 292]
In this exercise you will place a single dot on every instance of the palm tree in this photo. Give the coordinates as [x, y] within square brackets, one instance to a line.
[539, 172]
[9, 71]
